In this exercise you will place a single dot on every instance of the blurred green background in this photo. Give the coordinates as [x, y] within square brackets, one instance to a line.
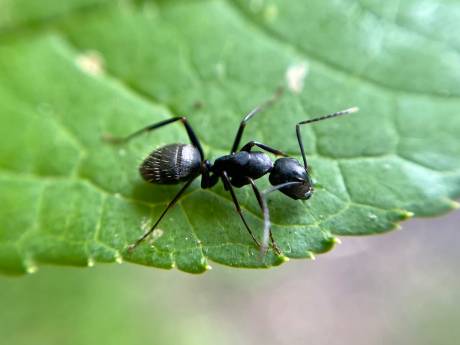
[398, 288]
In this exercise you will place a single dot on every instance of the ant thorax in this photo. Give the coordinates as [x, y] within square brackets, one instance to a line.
[241, 165]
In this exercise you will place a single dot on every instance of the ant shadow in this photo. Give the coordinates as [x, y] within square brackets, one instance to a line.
[148, 193]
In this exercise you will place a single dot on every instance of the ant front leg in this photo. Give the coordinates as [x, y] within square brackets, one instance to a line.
[259, 197]
[263, 200]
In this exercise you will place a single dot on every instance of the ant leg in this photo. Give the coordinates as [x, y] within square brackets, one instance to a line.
[278, 93]
[133, 246]
[325, 117]
[259, 200]
[267, 148]
[237, 205]
[191, 133]
[267, 230]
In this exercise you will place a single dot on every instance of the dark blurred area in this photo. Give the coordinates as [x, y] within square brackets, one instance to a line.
[399, 288]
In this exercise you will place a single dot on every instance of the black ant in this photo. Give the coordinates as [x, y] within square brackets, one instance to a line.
[175, 163]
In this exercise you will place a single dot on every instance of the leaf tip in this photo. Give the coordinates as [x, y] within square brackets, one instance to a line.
[455, 204]
[31, 268]
[311, 256]
[91, 262]
[118, 258]
[284, 258]
[208, 267]
[336, 240]
[408, 215]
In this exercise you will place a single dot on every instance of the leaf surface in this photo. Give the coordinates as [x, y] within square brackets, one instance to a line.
[81, 69]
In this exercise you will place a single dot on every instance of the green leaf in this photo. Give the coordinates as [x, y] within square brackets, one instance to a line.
[73, 71]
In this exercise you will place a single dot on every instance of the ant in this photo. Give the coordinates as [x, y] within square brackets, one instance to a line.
[176, 163]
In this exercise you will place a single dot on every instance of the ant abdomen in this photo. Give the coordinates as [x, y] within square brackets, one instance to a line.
[171, 164]
[289, 169]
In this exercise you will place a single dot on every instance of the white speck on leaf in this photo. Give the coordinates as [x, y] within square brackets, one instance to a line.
[295, 76]
[145, 224]
[156, 234]
[372, 216]
[91, 62]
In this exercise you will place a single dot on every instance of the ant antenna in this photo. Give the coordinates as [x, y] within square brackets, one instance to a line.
[329, 116]
[316, 119]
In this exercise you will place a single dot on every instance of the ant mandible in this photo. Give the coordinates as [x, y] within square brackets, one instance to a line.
[176, 163]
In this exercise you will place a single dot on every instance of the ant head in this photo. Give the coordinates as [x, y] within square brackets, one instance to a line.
[290, 170]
